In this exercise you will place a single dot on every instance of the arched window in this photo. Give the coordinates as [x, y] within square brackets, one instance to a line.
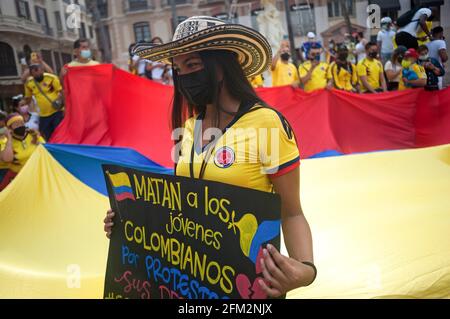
[7, 61]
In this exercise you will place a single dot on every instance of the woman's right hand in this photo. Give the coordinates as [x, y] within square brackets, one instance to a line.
[108, 223]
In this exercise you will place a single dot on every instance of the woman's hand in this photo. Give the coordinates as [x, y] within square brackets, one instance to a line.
[282, 273]
[108, 223]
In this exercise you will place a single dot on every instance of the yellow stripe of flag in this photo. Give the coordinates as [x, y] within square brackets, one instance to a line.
[120, 179]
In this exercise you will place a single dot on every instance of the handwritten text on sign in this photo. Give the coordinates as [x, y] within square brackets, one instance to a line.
[176, 237]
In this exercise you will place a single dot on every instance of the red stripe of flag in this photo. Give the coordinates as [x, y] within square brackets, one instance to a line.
[123, 196]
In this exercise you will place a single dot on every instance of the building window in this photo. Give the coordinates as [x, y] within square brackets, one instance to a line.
[66, 58]
[335, 10]
[23, 10]
[83, 30]
[141, 31]
[58, 21]
[393, 14]
[303, 20]
[7, 61]
[224, 16]
[57, 58]
[134, 5]
[41, 16]
[166, 3]
[47, 57]
[102, 6]
[91, 32]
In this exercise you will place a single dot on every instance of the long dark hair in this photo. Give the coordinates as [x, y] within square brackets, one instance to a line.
[234, 80]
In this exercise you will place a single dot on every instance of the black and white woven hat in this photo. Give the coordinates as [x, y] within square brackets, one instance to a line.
[200, 33]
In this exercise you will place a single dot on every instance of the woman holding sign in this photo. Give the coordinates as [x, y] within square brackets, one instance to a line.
[230, 135]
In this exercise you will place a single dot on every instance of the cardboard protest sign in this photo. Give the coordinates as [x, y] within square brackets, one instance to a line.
[177, 237]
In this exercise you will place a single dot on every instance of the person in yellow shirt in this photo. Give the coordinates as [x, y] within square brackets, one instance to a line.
[47, 90]
[6, 154]
[212, 89]
[283, 71]
[342, 74]
[23, 143]
[413, 75]
[371, 72]
[257, 81]
[422, 37]
[83, 57]
[313, 73]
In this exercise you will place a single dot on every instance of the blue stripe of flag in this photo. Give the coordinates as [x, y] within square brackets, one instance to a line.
[122, 189]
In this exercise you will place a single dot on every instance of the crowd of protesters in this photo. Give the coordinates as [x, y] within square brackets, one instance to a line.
[407, 54]
[37, 112]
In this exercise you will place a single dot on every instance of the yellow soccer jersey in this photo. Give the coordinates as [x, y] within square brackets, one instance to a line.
[420, 72]
[318, 77]
[3, 141]
[256, 145]
[284, 74]
[51, 86]
[372, 70]
[343, 79]
[89, 63]
[23, 151]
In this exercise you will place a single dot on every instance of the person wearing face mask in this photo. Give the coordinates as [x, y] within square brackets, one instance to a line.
[30, 117]
[47, 90]
[437, 49]
[432, 67]
[23, 143]
[385, 40]
[370, 71]
[211, 90]
[313, 73]
[83, 57]
[283, 71]
[413, 75]
[393, 68]
[307, 45]
[342, 74]
[411, 23]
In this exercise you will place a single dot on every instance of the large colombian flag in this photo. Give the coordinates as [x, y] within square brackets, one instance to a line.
[121, 186]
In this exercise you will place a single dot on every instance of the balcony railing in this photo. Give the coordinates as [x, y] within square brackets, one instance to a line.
[17, 24]
[68, 34]
[134, 6]
[167, 3]
[48, 31]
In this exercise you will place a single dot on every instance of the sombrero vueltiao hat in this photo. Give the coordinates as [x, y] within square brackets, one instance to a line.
[201, 33]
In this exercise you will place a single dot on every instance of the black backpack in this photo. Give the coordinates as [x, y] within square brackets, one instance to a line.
[406, 18]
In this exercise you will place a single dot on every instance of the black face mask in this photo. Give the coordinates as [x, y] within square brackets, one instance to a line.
[285, 56]
[20, 131]
[196, 87]
[39, 78]
[373, 55]
[343, 57]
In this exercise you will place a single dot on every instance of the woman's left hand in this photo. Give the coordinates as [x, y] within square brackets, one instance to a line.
[282, 273]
